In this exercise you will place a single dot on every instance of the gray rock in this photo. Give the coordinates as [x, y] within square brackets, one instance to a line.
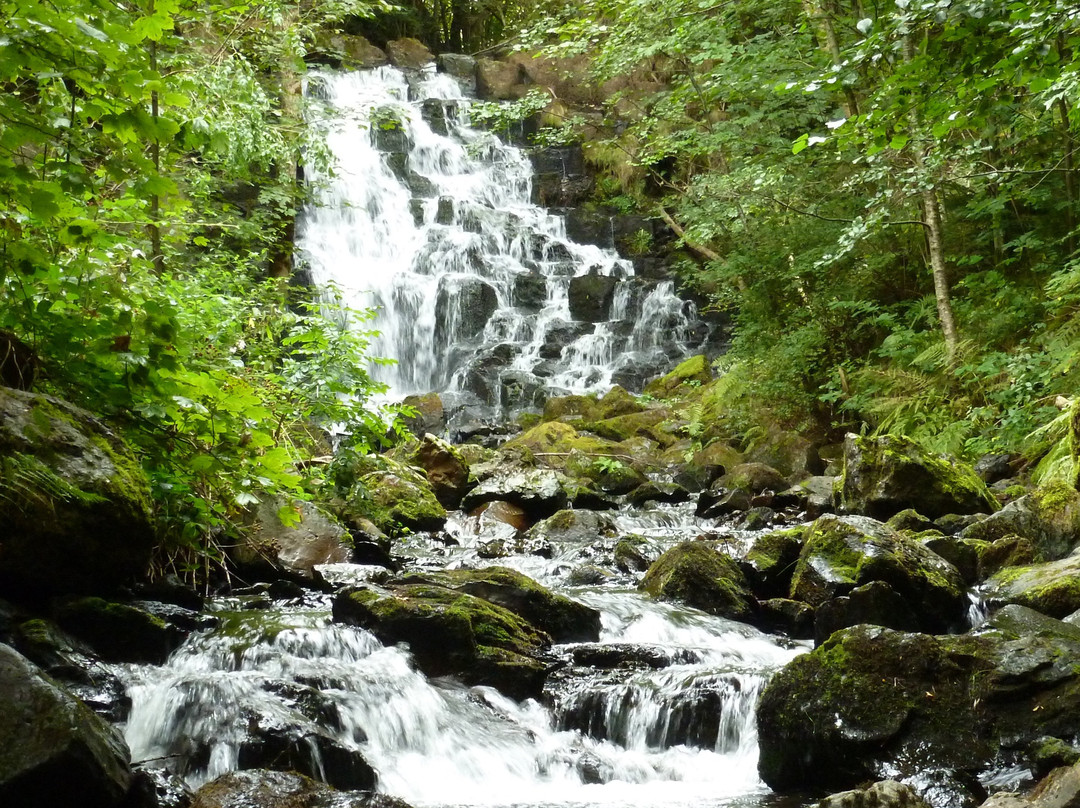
[270, 789]
[883, 794]
[1048, 518]
[590, 297]
[270, 544]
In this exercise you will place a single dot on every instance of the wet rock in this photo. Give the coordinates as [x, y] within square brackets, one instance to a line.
[753, 478]
[814, 496]
[399, 499]
[271, 789]
[538, 492]
[992, 557]
[1052, 588]
[505, 513]
[994, 467]
[651, 491]
[911, 520]
[389, 135]
[791, 617]
[290, 536]
[953, 523]
[883, 794]
[960, 554]
[74, 501]
[56, 752]
[463, 306]
[348, 51]
[590, 297]
[559, 334]
[1060, 788]
[770, 562]
[872, 700]
[119, 632]
[875, 603]
[695, 573]
[587, 575]
[453, 633]
[574, 527]
[1049, 518]
[430, 414]
[461, 67]
[445, 468]
[719, 501]
[421, 188]
[708, 464]
[408, 53]
[570, 407]
[842, 553]
[793, 455]
[564, 619]
[157, 788]
[630, 656]
[1049, 753]
[635, 554]
[530, 292]
[886, 474]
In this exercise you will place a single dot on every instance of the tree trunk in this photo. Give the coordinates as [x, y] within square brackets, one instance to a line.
[936, 243]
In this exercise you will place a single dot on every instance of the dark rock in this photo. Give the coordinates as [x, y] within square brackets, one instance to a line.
[770, 562]
[445, 468]
[463, 306]
[530, 292]
[18, 362]
[430, 415]
[1048, 517]
[651, 491]
[883, 794]
[872, 700]
[953, 523]
[56, 752]
[753, 478]
[157, 788]
[590, 297]
[74, 501]
[719, 501]
[271, 789]
[422, 188]
[119, 632]
[1010, 551]
[875, 604]
[695, 573]
[886, 474]
[910, 519]
[589, 226]
[994, 467]
[842, 553]
[629, 656]
[461, 67]
[635, 554]
[791, 617]
[1052, 588]
[559, 334]
[960, 554]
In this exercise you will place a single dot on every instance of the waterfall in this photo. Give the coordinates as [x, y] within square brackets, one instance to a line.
[478, 290]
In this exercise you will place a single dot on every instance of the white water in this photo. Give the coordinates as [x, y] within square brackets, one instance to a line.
[680, 735]
[444, 259]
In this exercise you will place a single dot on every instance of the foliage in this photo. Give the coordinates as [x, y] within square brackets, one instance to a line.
[146, 192]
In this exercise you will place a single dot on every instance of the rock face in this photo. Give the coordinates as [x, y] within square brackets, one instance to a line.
[872, 700]
[493, 637]
[698, 575]
[590, 297]
[53, 749]
[886, 474]
[842, 553]
[74, 502]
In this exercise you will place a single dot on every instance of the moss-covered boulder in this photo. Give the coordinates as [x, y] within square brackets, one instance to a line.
[686, 377]
[53, 749]
[770, 562]
[74, 502]
[841, 553]
[1048, 517]
[994, 556]
[812, 495]
[397, 498]
[452, 633]
[883, 794]
[753, 478]
[886, 474]
[617, 402]
[564, 619]
[706, 465]
[793, 455]
[872, 701]
[119, 632]
[1052, 588]
[570, 407]
[574, 527]
[428, 416]
[655, 424]
[699, 575]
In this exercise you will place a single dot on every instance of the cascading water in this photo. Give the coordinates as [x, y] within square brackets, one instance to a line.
[478, 289]
[677, 731]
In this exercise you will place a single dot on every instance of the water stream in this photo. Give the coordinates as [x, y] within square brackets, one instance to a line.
[679, 734]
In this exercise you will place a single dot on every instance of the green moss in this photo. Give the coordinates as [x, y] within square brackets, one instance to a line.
[698, 575]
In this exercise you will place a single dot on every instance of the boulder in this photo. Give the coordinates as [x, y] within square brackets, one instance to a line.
[841, 553]
[348, 51]
[635, 554]
[872, 701]
[1052, 588]
[538, 492]
[452, 633]
[814, 496]
[564, 619]
[53, 750]
[497, 81]
[397, 500]
[461, 67]
[290, 536]
[707, 464]
[770, 562]
[590, 297]
[445, 469]
[270, 789]
[530, 292]
[791, 617]
[875, 603]
[408, 53]
[570, 407]
[884, 475]
[992, 557]
[119, 632]
[883, 794]
[751, 477]
[697, 574]
[574, 527]
[688, 375]
[463, 305]
[793, 455]
[430, 415]
[74, 501]
[1049, 518]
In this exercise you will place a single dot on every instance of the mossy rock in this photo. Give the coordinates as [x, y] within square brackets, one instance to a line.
[446, 469]
[399, 501]
[842, 553]
[654, 424]
[752, 478]
[770, 562]
[1052, 588]
[564, 619]
[574, 527]
[617, 402]
[553, 441]
[699, 575]
[74, 501]
[790, 453]
[635, 553]
[1048, 517]
[574, 406]
[118, 632]
[706, 465]
[994, 556]
[453, 633]
[687, 375]
[872, 700]
[612, 475]
[890, 473]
